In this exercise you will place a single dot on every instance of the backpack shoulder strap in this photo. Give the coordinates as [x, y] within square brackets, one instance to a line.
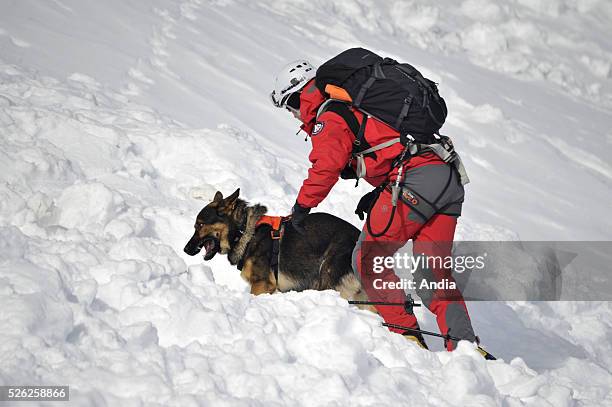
[342, 110]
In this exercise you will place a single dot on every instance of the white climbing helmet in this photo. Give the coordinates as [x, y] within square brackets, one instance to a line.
[291, 78]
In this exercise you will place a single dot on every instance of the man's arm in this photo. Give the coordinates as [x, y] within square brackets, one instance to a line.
[332, 143]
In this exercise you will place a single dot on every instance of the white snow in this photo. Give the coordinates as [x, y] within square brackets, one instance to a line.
[115, 116]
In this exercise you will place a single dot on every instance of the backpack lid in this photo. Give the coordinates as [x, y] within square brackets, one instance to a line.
[338, 69]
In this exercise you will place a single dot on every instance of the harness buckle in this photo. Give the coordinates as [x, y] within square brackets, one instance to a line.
[277, 234]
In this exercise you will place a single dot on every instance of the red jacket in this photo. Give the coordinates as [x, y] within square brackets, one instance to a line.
[332, 144]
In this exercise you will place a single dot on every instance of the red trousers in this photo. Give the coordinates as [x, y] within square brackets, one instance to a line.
[432, 238]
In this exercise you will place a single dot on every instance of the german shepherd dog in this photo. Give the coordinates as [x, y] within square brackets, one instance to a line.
[318, 259]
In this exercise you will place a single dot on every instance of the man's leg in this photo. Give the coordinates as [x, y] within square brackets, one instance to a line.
[369, 247]
[435, 241]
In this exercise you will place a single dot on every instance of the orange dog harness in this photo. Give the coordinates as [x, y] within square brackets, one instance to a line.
[277, 223]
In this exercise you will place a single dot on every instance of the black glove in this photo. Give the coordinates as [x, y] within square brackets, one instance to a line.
[348, 173]
[298, 214]
[365, 203]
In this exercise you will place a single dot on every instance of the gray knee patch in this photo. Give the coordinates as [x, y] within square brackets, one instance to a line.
[458, 322]
[423, 274]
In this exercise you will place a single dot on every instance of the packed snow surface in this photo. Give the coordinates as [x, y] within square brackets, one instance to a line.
[115, 116]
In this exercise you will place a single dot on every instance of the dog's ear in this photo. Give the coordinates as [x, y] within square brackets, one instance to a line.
[229, 203]
[218, 197]
[230, 199]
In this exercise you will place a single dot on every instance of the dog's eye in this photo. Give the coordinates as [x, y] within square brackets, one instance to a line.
[198, 225]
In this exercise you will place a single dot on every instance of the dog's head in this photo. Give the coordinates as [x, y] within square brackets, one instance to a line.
[216, 226]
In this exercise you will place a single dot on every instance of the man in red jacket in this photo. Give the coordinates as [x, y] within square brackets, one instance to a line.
[427, 213]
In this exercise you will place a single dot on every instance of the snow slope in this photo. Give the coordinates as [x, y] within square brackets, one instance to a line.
[115, 115]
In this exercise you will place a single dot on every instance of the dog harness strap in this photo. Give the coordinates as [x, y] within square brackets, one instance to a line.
[274, 258]
[278, 228]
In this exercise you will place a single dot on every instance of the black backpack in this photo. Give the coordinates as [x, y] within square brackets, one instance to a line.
[397, 94]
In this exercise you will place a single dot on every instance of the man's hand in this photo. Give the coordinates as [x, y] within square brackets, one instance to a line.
[298, 214]
[365, 203]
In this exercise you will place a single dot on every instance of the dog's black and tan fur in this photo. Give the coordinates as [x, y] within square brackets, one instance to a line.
[319, 259]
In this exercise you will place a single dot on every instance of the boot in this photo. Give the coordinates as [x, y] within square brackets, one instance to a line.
[416, 337]
[485, 354]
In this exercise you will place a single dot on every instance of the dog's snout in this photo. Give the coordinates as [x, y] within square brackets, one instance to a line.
[191, 248]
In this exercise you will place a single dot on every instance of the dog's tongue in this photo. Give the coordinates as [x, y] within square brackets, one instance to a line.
[209, 245]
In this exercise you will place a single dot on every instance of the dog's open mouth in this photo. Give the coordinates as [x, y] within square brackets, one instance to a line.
[211, 247]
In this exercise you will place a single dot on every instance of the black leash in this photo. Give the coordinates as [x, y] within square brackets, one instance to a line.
[446, 337]
[408, 305]
[386, 228]
[398, 162]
